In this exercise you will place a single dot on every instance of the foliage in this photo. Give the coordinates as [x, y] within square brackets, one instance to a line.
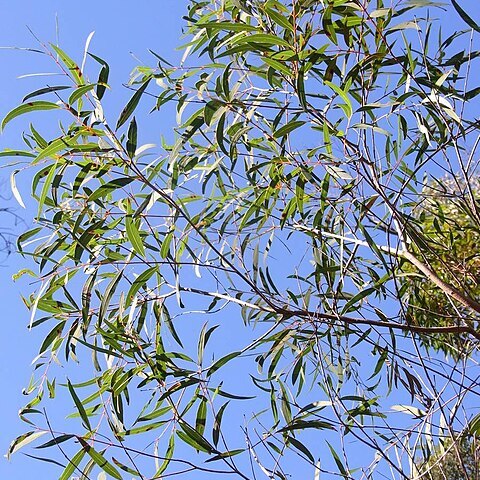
[453, 460]
[451, 235]
[232, 301]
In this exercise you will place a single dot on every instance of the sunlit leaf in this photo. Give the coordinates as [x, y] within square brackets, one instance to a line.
[27, 108]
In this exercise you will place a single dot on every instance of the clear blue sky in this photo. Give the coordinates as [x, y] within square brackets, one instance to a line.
[122, 29]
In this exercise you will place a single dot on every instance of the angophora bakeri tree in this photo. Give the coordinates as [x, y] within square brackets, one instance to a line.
[268, 292]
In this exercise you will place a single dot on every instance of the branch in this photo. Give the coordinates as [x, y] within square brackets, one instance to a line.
[306, 314]
[425, 269]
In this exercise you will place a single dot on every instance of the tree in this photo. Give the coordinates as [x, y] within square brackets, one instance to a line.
[250, 298]
[451, 231]
[455, 460]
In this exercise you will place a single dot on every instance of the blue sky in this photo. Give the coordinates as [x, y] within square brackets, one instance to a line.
[123, 30]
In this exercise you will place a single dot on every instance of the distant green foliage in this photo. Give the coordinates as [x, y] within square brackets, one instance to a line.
[448, 227]
[452, 460]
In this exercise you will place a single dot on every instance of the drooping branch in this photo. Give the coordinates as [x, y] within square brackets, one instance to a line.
[328, 317]
[425, 269]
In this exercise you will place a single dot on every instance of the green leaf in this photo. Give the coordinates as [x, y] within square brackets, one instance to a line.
[23, 440]
[73, 464]
[302, 448]
[138, 283]
[195, 439]
[79, 406]
[133, 235]
[107, 296]
[356, 298]
[229, 26]
[219, 363]
[79, 92]
[167, 458]
[287, 128]
[165, 250]
[16, 153]
[263, 39]
[304, 424]
[43, 91]
[145, 428]
[203, 340]
[279, 66]
[338, 461]
[100, 460]
[70, 64]
[227, 454]
[132, 138]
[210, 109]
[155, 414]
[344, 97]
[52, 336]
[201, 418]
[56, 440]
[56, 146]
[131, 105]
[110, 187]
[279, 19]
[474, 425]
[170, 325]
[46, 187]
[102, 77]
[218, 423]
[465, 17]
[27, 108]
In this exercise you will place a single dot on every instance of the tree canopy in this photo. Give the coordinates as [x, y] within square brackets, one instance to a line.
[287, 285]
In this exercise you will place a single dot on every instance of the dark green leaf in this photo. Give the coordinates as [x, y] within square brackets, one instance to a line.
[222, 361]
[43, 91]
[100, 460]
[131, 105]
[79, 406]
[465, 17]
[132, 138]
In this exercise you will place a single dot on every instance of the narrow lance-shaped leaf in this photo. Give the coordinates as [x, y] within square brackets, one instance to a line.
[70, 64]
[218, 423]
[56, 146]
[43, 91]
[201, 418]
[27, 108]
[222, 361]
[195, 439]
[79, 92]
[465, 17]
[262, 38]
[13, 186]
[133, 235]
[79, 406]
[131, 105]
[23, 440]
[167, 458]
[100, 460]
[287, 128]
[132, 138]
[73, 464]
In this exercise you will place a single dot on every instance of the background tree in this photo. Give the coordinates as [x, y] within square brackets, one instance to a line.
[455, 460]
[451, 229]
[249, 299]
